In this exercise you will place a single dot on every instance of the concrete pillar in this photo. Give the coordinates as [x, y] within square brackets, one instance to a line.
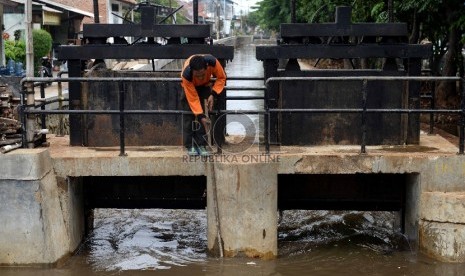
[442, 226]
[247, 209]
[442, 212]
[34, 229]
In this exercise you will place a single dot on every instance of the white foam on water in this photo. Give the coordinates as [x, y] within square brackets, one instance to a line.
[147, 239]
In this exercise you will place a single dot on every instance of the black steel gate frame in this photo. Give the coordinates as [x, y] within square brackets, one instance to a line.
[364, 110]
[26, 109]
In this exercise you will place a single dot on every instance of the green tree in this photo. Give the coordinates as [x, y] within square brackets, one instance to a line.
[272, 13]
[443, 24]
[440, 22]
[15, 50]
[42, 45]
[252, 20]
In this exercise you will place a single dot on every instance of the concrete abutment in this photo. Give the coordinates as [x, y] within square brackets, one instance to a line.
[40, 214]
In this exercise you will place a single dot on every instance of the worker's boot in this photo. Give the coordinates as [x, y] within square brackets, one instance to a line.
[192, 151]
[203, 151]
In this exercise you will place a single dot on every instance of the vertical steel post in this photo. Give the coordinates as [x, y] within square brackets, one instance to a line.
[43, 117]
[30, 118]
[293, 17]
[195, 8]
[270, 67]
[462, 119]
[96, 12]
[364, 119]
[391, 11]
[74, 88]
[433, 106]
[266, 117]
[121, 119]
[60, 131]
[414, 87]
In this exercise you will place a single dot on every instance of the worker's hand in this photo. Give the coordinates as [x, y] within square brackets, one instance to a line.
[210, 103]
[206, 123]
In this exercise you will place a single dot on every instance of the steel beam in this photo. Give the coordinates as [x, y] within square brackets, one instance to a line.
[143, 51]
[156, 30]
[333, 29]
[344, 51]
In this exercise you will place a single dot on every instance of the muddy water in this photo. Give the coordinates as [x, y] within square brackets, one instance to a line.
[173, 242]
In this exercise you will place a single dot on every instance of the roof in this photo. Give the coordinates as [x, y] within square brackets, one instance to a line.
[45, 8]
[65, 7]
[133, 2]
[8, 2]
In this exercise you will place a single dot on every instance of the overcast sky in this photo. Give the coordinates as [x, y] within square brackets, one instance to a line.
[246, 4]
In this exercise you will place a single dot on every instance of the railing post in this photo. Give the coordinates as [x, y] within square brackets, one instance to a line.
[266, 117]
[122, 87]
[433, 106]
[462, 119]
[60, 130]
[30, 118]
[43, 117]
[22, 115]
[364, 119]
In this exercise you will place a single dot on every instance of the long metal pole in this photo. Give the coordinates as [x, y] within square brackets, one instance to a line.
[29, 73]
[195, 6]
[293, 17]
[462, 120]
[29, 42]
[122, 88]
[96, 12]
[364, 118]
[391, 11]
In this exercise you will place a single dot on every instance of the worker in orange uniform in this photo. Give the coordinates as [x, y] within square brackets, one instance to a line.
[196, 75]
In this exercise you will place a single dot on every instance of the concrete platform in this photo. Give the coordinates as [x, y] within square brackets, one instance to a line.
[242, 191]
[169, 160]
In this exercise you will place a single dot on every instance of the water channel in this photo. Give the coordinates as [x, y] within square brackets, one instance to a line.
[173, 242]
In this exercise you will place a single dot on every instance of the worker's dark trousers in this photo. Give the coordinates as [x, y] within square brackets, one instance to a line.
[194, 131]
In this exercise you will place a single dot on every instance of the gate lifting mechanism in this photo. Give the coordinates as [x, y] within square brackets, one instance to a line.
[180, 42]
[343, 40]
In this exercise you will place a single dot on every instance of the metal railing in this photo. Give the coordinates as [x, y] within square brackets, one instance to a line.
[28, 106]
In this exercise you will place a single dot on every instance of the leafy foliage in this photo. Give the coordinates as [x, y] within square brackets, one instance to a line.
[15, 50]
[42, 44]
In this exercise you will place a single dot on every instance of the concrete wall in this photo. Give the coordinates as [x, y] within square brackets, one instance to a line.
[35, 223]
[442, 212]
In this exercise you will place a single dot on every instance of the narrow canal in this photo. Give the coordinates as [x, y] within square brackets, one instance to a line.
[173, 242]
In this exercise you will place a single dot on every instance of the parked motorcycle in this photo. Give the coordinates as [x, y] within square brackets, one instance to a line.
[45, 70]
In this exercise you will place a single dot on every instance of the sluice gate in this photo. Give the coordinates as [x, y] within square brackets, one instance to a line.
[152, 40]
[294, 88]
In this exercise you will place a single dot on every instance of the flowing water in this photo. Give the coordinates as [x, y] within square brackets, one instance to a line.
[246, 65]
[174, 242]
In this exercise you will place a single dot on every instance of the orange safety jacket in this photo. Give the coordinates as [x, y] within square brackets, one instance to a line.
[189, 83]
